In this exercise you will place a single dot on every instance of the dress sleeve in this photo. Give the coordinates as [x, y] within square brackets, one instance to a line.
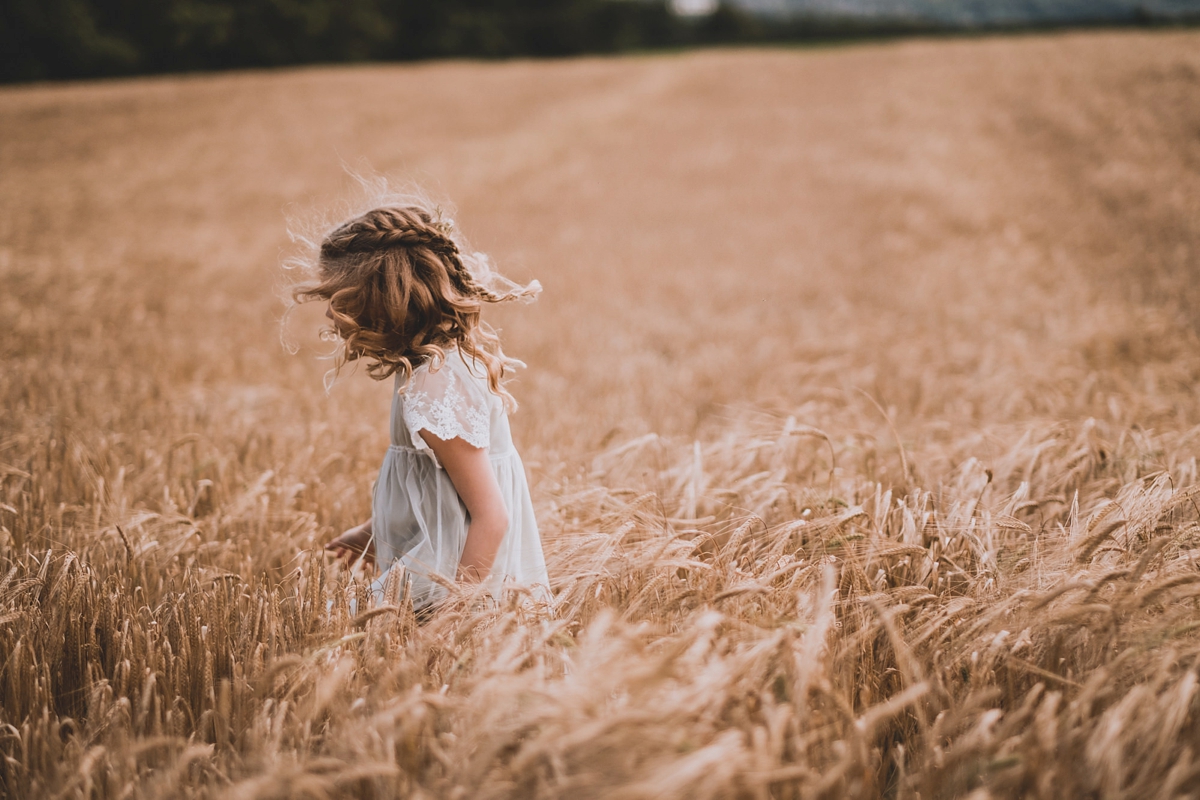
[448, 405]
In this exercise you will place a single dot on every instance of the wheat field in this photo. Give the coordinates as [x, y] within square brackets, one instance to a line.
[861, 415]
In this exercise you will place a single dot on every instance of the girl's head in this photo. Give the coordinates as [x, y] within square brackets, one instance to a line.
[401, 291]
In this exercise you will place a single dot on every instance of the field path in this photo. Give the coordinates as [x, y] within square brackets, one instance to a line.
[724, 217]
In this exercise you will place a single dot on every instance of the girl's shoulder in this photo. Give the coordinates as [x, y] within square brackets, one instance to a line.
[449, 400]
[456, 374]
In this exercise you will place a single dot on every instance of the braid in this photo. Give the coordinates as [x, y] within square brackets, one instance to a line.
[474, 288]
[400, 292]
[384, 228]
[521, 293]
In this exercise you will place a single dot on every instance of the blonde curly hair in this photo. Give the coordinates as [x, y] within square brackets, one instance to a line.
[401, 291]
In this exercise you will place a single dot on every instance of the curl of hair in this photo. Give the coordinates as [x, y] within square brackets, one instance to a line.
[401, 292]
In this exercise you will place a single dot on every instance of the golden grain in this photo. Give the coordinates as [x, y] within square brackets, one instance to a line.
[861, 417]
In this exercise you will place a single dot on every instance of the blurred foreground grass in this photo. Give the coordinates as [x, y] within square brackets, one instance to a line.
[861, 414]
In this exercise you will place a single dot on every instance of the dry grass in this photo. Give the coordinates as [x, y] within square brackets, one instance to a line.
[860, 414]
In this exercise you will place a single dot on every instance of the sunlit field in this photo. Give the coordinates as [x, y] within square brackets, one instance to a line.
[861, 417]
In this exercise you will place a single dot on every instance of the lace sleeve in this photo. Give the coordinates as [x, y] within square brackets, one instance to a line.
[448, 405]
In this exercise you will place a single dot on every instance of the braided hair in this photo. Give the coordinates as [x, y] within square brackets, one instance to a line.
[401, 292]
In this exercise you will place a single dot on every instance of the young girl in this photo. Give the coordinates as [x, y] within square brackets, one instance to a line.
[451, 499]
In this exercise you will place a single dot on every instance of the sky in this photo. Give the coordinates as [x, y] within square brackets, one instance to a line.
[974, 12]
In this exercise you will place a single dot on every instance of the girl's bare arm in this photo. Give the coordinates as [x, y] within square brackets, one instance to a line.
[471, 472]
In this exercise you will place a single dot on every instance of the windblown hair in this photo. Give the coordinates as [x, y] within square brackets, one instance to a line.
[401, 292]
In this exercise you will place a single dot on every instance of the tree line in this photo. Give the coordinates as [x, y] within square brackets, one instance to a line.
[53, 39]
[56, 39]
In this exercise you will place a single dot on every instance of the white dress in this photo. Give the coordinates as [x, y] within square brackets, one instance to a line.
[418, 520]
